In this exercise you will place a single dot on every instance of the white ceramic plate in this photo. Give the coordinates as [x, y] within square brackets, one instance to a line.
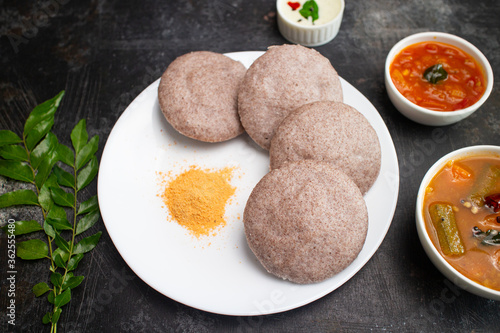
[218, 274]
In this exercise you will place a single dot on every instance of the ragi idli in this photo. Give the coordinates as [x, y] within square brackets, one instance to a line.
[306, 222]
[198, 96]
[282, 79]
[333, 132]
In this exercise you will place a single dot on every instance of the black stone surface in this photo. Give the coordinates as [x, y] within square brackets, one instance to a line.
[104, 53]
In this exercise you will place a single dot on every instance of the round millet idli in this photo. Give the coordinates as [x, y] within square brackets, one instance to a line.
[306, 222]
[279, 81]
[329, 131]
[198, 95]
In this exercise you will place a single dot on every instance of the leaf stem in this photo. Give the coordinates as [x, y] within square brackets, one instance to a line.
[73, 230]
[53, 328]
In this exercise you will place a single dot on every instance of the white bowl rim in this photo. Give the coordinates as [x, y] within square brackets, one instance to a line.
[314, 27]
[488, 71]
[479, 150]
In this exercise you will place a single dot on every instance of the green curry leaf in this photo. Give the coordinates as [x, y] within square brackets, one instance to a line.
[435, 73]
[79, 136]
[14, 152]
[24, 227]
[87, 221]
[88, 205]
[32, 249]
[8, 137]
[87, 151]
[310, 8]
[87, 174]
[62, 197]
[40, 288]
[37, 158]
[16, 170]
[19, 197]
[45, 147]
[38, 132]
[87, 244]
[42, 112]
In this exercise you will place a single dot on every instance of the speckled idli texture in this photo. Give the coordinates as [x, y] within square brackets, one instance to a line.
[198, 95]
[333, 132]
[279, 81]
[306, 222]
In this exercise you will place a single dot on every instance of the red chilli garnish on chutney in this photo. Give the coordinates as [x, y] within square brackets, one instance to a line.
[294, 5]
[493, 201]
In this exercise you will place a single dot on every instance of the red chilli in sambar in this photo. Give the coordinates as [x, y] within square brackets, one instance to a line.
[462, 216]
[462, 86]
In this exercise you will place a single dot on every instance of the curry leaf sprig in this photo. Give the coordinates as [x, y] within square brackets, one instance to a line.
[57, 174]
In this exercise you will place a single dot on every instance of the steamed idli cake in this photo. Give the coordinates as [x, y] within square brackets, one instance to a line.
[198, 96]
[279, 81]
[306, 222]
[333, 132]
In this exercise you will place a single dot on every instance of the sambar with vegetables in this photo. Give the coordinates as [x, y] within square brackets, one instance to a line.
[462, 216]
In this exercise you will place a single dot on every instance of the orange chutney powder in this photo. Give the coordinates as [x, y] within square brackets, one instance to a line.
[197, 199]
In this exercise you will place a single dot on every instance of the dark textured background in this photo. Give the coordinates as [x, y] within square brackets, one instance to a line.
[104, 53]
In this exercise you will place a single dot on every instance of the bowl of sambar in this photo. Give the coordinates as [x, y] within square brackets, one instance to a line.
[458, 218]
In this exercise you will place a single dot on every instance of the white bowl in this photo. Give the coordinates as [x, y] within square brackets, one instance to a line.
[309, 35]
[425, 116]
[436, 258]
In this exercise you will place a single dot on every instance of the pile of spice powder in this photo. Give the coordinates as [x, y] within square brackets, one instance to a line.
[197, 199]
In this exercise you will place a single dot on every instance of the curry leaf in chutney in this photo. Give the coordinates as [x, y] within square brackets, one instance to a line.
[310, 8]
[435, 73]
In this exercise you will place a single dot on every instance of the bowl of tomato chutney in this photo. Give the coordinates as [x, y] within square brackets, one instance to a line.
[436, 78]
[458, 218]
